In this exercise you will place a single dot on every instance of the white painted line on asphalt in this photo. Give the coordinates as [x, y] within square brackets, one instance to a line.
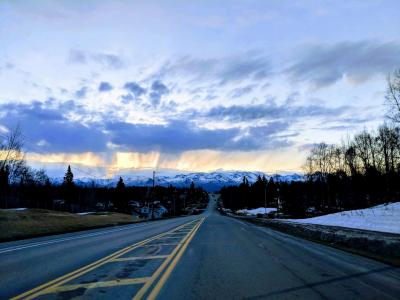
[31, 245]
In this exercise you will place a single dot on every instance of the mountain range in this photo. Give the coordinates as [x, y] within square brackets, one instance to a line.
[211, 181]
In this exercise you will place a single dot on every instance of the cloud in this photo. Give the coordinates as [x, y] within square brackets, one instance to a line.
[248, 66]
[271, 111]
[241, 91]
[127, 98]
[105, 86]
[135, 89]
[47, 129]
[110, 61]
[81, 93]
[78, 57]
[358, 61]
[107, 60]
[178, 136]
[158, 89]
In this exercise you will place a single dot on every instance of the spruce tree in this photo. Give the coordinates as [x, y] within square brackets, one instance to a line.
[120, 184]
[69, 177]
[68, 187]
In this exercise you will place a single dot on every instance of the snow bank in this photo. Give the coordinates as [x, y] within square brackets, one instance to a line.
[384, 218]
[255, 211]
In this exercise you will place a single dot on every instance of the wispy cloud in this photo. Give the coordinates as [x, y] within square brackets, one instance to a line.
[107, 60]
[326, 64]
[248, 66]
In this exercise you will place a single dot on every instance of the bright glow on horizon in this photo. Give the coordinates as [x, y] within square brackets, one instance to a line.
[194, 161]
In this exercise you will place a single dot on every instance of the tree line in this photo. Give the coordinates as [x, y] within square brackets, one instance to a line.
[23, 186]
[358, 173]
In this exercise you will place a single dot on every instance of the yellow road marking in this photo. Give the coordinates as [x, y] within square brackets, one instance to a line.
[149, 283]
[65, 278]
[111, 283]
[162, 244]
[156, 290]
[138, 258]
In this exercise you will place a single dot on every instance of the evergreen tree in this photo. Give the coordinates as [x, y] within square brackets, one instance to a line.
[69, 177]
[4, 175]
[120, 184]
[68, 187]
[121, 200]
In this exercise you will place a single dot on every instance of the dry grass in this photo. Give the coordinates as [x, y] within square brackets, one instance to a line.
[36, 222]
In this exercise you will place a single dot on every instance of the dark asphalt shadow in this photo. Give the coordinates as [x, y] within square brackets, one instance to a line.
[321, 283]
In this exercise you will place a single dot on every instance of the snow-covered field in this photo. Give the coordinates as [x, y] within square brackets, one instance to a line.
[384, 218]
[255, 211]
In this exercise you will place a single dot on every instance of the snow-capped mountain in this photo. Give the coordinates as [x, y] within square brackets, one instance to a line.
[212, 181]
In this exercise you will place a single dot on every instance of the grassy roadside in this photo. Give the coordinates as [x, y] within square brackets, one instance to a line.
[15, 225]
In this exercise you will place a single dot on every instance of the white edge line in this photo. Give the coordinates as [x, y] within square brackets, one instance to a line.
[25, 246]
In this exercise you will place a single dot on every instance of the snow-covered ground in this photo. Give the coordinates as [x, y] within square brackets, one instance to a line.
[384, 218]
[255, 211]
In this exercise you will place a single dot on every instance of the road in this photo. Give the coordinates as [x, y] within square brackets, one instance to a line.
[199, 257]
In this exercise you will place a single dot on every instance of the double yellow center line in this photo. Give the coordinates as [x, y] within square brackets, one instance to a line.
[164, 270]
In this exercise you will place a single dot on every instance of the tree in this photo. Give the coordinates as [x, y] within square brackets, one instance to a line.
[69, 177]
[41, 178]
[120, 200]
[68, 187]
[4, 174]
[393, 96]
[12, 159]
[120, 184]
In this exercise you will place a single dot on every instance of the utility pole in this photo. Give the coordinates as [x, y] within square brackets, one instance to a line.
[265, 198]
[153, 195]
[278, 202]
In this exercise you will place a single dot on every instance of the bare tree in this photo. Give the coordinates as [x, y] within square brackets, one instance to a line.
[12, 158]
[393, 96]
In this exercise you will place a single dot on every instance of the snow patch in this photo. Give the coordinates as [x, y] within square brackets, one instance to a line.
[86, 213]
[255, 211]
[383, 218]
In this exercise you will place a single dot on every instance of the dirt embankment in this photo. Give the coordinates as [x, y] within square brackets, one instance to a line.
[19, 224]
[378, 245]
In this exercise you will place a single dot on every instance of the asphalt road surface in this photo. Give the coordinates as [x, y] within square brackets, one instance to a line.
[199, 257]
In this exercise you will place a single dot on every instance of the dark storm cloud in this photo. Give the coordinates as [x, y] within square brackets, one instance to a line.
[178, 136]
[325, 64]
[248, 66]
[40, 123]
[105, 86]
[107, 60]
[158, 89]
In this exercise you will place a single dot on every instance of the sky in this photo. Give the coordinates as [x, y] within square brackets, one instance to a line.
[123, 86]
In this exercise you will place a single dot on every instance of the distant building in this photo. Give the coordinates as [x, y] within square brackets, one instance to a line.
[152, 210]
